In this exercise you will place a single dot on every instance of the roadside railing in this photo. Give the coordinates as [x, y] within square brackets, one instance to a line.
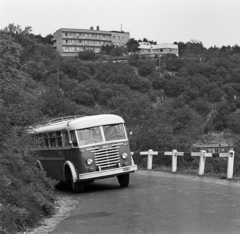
[203, 155]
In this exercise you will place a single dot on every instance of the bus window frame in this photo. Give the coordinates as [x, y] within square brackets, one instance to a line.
[73, 141]
[104, 140]
[92, 138]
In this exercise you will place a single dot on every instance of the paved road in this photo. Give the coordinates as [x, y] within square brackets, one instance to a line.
[156, 202]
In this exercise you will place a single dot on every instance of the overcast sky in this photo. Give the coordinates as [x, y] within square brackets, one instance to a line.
[213, 22]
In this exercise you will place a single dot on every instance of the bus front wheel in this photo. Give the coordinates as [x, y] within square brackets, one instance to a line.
[77, 187]
[124, 180]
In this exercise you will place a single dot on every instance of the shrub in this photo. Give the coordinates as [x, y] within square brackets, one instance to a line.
[216, 95]
[26, 192]
[202, 107]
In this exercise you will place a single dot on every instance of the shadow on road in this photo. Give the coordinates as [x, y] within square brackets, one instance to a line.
[89, 187]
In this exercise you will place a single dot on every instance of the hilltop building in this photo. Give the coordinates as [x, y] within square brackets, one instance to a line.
[68, 42]
[160, 49]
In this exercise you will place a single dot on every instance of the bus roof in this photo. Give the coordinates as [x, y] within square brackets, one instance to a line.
[77, 123]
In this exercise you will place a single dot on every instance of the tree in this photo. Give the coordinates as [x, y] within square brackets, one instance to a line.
[87, 55]
[151, 42]
[132, 45]
[181, 47]
[106, 49]
[45, 40]
[119, 51]
[26, 193]
[146, 68]
[174, 64]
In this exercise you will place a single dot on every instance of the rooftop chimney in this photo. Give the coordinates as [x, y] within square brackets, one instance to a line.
[97, 28]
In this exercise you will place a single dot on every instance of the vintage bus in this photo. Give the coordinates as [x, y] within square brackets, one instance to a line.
[80, 149]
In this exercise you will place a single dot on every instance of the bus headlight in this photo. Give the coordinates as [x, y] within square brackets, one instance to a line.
[89, 161]
[124, 155]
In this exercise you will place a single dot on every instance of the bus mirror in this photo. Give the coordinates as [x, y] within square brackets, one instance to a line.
[130, 135]
[70, 142]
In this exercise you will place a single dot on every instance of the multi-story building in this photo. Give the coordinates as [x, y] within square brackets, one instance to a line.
[160, 49]
[68, 42]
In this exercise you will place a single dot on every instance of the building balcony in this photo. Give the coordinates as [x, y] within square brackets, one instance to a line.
[84, 38]
[82, 45]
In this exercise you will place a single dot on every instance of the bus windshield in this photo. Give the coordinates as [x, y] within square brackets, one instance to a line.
[89, 136]
[93, 135]
[114, 132]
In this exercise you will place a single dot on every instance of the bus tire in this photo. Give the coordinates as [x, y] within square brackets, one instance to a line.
[77, 187]
[124, 180]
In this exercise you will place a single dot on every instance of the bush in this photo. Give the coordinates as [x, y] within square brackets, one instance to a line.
[84, 99]
[26, 192]
[146, 69]
[140, 84]
[87, 55]
[233, 122]
[202, 107]
[216, 95]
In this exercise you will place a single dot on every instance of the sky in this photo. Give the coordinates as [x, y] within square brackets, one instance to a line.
[213, 22]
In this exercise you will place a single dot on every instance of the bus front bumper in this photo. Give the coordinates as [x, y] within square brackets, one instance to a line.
[107, 173]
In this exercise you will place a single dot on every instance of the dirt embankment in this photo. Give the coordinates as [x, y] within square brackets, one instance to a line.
[64, 206]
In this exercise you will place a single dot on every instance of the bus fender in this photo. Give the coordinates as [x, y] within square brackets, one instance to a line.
[72, 169]
[39, 164]
[132, 160]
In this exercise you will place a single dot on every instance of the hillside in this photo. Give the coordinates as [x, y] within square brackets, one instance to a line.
[172, 106]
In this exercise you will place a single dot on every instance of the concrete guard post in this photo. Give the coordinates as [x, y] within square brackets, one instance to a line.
[202, 162]
[230, 164]
[150, 158]
[174, 161]
[150, 154]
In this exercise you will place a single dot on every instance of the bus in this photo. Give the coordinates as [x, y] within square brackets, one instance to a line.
[80, 149]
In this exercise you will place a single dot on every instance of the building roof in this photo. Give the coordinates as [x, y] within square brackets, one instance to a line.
[119, 32]
[82, 30]
[158, 46]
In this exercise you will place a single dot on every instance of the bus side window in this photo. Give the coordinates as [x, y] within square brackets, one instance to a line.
[73, 138]
[52, 139]
[46, 143]
[59, 139]
[41, 140]
[65, 138]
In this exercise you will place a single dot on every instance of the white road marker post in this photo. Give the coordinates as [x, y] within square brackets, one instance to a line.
[230, 164]
[202, 162]
[174, 160]
[150, 158]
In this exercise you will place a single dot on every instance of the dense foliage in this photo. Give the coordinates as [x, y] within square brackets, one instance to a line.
[168, 102]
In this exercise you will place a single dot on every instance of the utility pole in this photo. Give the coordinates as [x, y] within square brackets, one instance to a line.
[159, 62]
[58, 70]
[58, 77]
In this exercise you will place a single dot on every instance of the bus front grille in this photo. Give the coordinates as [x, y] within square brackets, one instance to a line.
[105, 158]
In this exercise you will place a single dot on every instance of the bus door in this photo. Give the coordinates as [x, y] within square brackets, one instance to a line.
[74, 154]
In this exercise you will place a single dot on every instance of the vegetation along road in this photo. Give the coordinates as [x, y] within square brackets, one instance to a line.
[167, 102]
[155, 202]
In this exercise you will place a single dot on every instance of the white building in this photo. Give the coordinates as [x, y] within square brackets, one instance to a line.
[160, 49]
[68, 41]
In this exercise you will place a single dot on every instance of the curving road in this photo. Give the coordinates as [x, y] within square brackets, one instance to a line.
[155, 202]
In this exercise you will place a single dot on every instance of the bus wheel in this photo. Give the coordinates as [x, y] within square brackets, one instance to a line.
[124, 180]
[77, 187]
